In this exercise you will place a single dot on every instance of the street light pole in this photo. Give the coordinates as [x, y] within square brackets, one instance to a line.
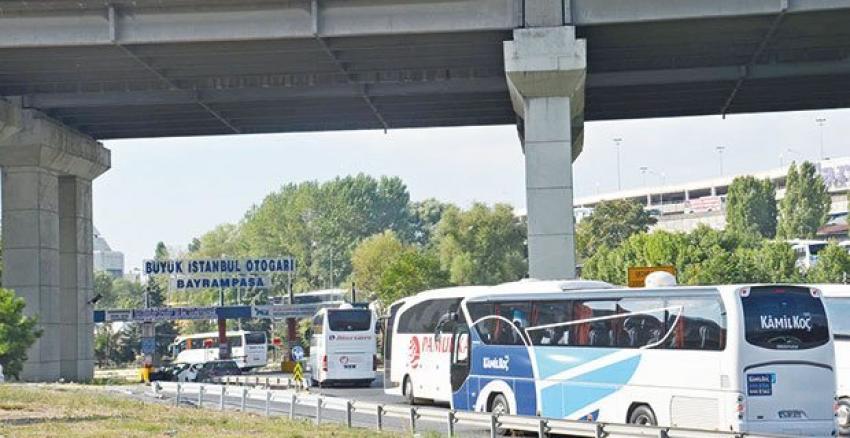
[821, 121]
[617, 147]
[720, 150]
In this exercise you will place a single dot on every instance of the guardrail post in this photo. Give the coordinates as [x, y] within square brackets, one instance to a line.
[256, 381]
[663, 433]
[268, 385]
[349, 407]
[292, 406]
[412, 420]
[600, 430]
[451, 423]
[244, 399]
[494, 426]
[177, 398]
[318, 410]
[223, 395]
[268, 403]
[542, 429]
[379, 418]
[201, 396]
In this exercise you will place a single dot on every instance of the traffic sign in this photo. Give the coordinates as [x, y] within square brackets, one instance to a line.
[297, 353]
[148, 346]
[638, 274]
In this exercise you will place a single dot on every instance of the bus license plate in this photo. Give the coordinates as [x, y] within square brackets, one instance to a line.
[792, 413]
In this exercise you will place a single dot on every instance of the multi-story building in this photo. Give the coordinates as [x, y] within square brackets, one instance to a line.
[105, 259]
[681, 207]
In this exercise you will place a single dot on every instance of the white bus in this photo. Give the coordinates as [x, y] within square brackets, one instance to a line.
[754, 358]
[807, 251]
[248, 349]
[837, 298]
[415, 364]
[343, 346]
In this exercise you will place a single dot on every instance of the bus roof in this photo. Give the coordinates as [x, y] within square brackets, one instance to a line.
[517, 287]
[833, 290]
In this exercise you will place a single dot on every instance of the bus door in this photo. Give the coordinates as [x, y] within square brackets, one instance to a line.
[460, 366]
[388, 346]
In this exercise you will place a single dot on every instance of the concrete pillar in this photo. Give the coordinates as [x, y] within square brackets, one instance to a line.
[76, 276]
[31, 258]
[545, 70]
[47, 171]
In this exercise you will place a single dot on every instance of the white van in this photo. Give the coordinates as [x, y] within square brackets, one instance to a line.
[343, 346]
[837, 299]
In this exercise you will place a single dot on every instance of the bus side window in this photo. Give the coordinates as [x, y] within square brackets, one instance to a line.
[598, 333]
[550, 313]
[701, 326]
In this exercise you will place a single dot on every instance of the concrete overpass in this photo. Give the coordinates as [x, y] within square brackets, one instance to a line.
[75, 72]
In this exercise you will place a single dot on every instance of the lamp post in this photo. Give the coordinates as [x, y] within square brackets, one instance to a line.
[617, 142]
[720, 150]
[821, 121]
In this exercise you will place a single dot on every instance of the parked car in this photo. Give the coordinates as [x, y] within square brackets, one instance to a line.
[216, 368]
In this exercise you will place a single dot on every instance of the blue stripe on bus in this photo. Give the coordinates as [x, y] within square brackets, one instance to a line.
[565, 399]
[554, 360]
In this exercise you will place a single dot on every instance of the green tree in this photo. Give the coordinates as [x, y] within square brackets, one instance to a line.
[412, 272]
[805, 205]
[103, 288]
[17, 333]
[833, 265]
[195, 245]
[703, 256]
[161, 252]
[751, 206]
[323, 223]
[482, 245]
[373, 256]
[425, 216]
[610, 224]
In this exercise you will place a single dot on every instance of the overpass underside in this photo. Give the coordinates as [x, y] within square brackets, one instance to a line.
[74, 72]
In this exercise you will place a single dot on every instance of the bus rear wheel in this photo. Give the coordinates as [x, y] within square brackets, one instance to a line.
[844, 416]
[642, 415]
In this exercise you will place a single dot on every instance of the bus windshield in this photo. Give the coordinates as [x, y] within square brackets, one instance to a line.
[255, 338]
[839, 308]
[353, 320]
[784, 318]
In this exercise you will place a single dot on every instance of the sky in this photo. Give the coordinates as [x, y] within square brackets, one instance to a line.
[174, 189]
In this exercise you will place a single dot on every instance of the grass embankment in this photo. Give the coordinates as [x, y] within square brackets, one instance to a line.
[71, 411]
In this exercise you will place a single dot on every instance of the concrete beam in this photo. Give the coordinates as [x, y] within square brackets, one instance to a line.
[41, 142]
[548, 62]
[236, 21]
[48, 101]
[77, 22]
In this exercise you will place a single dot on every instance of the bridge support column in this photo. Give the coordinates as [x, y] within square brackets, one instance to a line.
[545, 70]
[47, 171]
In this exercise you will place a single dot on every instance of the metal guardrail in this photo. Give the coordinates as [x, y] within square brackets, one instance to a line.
[414, 415]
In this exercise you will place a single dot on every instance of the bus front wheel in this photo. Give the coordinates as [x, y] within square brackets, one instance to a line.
[643, 415]
[407, 389]
[499, 406]
[844, 416]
